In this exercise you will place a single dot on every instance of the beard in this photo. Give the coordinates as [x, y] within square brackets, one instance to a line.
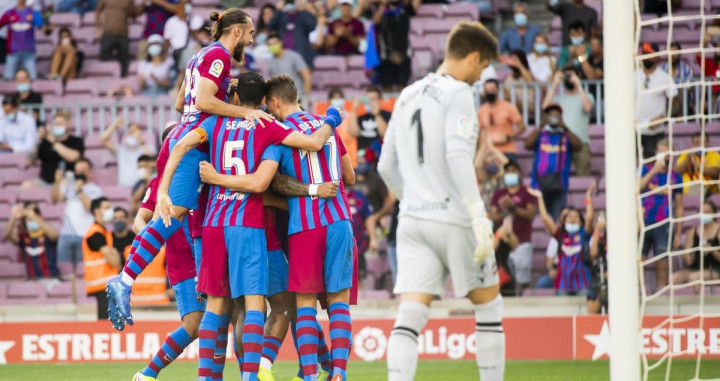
[239, 52]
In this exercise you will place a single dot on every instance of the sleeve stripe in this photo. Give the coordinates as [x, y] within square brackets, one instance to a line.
[203, 135]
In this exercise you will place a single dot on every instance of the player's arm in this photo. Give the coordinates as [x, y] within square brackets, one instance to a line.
[315, 141]
[291, 187]
[388, 165]
[142, 218]
[256, 182]
[206, 102]
[348, 171]
[180, 99]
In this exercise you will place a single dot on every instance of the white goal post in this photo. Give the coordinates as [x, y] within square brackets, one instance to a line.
[621, 179]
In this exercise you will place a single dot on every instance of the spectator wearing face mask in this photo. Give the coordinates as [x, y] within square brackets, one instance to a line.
[541, 61]
[573, 236]
[293, 24]
[122, 234]
[547, 280]
[101, 260]
[577, 106]
[345, 33]
[178, 31]
[36, 239]
[571, 13]
[489, 168]
[553, 143]
[651, 86]
[520, 82]
[23, 85]
[520, 36]
[657, 209]
[65, 57]
[18, 129]
[701, 164]
[500, 120]
[678, 68]
[127, 151]
[591, 62]
[76, 190]
[154, 72]
[289, 62]
[58, 149]
[577, 49]
[369, 127]
[336, 97]
[146, 171]
[515, 201]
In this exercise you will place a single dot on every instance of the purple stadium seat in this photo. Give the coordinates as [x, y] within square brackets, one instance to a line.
[438, 26]
[95, 68]
[116, 193]
[90, 50]
[596, 5]
[254, 13]
[555, 37]
[13, 160]
[356, 62]
[330, 63]
[65, 268]
[53, 212]
[79, 270]
[543, 292]
[431, 10]
[48, 87]
[71, 20]
[206, 3]
[580, 184]
[99, 157]
[135, 32]
[597, 131]
[467, 9]
[81, 87]
[92, 141]
[374, 294]
[105, 85]
[88, 19]
[44, 50]
[60, 290]
[12, 271]
[7, 87]
[416, 26]
[556, 23]
[8, 251]
[369, 282]
[26, 292]
[35, 194]
[86, 34]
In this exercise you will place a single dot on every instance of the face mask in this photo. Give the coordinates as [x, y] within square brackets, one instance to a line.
[337, 103]
[289, 7]
[23, 87]
[130, 141]
[648, 64]
[572, 228]
[569, 85]
[108, 214]
[540, 47]
[154, 50]
[521, 19]
[10, 117]
[511, 179]
[141, 172]
[119, 226]
[32, 226]
[492, 169]
[552, 129]
[66, 41]
[188, 8]
[275, 48]
[553, 121]
[491, 97]
[577, 40]
[706, 219]
[59, 130]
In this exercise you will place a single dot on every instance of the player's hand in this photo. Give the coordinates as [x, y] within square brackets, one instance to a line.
[259, 117]
[207, 172]
[328, 190]
[482, 229]
[165, 207]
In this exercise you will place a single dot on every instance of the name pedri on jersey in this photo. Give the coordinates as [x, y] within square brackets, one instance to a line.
[211, 62]
[236, 148]
[313, 168]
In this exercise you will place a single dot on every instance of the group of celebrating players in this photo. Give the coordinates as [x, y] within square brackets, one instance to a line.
[226, 235]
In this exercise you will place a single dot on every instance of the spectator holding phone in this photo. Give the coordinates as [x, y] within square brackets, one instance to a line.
[77, 192]
[36, 239]
[127, 150]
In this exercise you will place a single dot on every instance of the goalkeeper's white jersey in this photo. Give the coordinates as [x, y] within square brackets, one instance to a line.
[432, 117]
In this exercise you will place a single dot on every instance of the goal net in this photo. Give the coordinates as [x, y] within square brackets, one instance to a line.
[677, 153]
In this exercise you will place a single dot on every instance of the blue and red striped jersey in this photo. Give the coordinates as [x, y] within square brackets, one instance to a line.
[237, 148]
[572, 272]
[313, 168]
[211, 62]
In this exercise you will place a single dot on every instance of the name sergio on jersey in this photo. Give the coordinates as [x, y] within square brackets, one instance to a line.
[237, 124]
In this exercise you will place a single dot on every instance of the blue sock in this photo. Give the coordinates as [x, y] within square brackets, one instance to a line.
[174, 344]
[253, 329]
[293, 331]
[207, 335]
[307, 332]
[221, 347]
[340, 337]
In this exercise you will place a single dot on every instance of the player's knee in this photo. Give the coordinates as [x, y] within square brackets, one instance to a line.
[489, 315]
[191, 323]
[411, 319]
[483, 295]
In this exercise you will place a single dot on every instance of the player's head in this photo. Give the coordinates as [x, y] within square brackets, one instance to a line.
[102, 210]
[281, 95]
[470, 44]
[237, 26]
[251, 90]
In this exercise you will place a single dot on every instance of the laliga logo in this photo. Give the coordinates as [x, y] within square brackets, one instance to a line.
[370, 344]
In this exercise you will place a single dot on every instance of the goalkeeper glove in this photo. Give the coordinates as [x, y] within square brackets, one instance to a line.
[482, 230]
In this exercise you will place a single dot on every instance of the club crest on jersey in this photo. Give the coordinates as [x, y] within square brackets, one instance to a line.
[216, 68]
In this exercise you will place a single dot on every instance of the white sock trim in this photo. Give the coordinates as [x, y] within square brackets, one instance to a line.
[265, 363]
[127, 279]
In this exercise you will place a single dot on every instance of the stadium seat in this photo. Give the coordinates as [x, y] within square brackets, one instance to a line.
[70, 20]
[76, 87]
[27, 292]
[8, 251]
[13, 160]
[330, 63]
[431, 10]
[356, 62]
[7, 87]
[95, 68]
[35, 195]
[466, 9]
[374, 294]
[48, 87]
[60, 291]
[53, 212]
[116, 193]
[12, 271]
[65, 268]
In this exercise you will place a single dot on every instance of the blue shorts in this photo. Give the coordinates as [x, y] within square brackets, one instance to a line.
[185, 185]
[321, 259]
[186, 297]
[277, 272]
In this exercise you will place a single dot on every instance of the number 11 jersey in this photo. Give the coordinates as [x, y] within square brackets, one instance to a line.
[236, 148]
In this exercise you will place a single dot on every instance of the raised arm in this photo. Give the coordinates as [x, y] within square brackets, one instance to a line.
[544, 215]
[589, 208]
[317, 140]
[108, 133]
[531, 140]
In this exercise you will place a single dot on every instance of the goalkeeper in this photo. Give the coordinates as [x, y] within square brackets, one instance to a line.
[427, 162]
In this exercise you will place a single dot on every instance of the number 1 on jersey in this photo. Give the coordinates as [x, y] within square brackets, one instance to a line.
[417, 122]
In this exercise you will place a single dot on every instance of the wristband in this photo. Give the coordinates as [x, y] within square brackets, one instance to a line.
[313, 189]
[588, 201]
[498, 236]
[333, 117]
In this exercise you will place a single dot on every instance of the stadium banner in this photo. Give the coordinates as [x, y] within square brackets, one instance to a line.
[541, 338]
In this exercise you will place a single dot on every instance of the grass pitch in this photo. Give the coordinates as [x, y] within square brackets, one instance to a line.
[359, 371]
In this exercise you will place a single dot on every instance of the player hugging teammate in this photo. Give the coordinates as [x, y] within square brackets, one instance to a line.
[236, 149]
